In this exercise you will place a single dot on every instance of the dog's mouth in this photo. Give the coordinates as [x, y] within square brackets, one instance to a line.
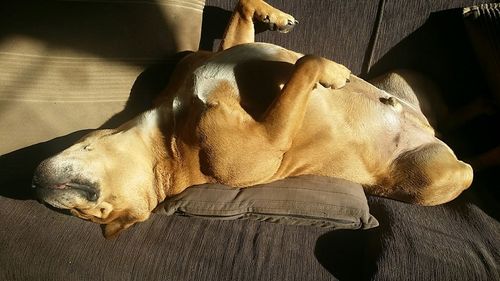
[89, 191]
[63, 186]
[64, 195]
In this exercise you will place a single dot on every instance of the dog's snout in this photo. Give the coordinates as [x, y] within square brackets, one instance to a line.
[43, 176]
[54, 178]
[50, 174]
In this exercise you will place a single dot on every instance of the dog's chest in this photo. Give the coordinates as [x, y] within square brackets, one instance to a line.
[253, 71]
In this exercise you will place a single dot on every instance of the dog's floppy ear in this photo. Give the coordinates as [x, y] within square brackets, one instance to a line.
[123, 220]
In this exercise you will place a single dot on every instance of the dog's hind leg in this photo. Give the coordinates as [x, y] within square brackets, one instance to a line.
[257, 145]
[241, 29]
[285, 116]
[427, 175]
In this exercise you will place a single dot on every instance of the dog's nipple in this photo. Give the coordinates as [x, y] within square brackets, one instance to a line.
[388, 101]
[395, 105]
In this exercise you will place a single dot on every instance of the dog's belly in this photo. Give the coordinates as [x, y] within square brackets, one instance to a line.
[347, 133]
[350, 133]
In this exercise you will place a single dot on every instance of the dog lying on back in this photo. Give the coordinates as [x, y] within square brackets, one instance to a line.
[249, 114]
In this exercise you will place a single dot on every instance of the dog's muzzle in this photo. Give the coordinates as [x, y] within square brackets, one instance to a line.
[60, 186]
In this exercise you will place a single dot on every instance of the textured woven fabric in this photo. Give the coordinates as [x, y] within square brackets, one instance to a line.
[338, 30]
[37, 243]
[398, 19]
[73, 65]
[305, 200]
[456, 241]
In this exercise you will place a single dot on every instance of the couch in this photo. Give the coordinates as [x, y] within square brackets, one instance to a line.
[70, 66]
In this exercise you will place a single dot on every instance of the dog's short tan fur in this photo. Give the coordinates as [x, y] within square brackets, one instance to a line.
[250, 114]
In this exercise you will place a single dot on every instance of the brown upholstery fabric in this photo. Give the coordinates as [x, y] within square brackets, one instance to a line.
[316, 33]
[450, 242]
[400, 18]
[455, 241]
[72, 65]
[37, 243]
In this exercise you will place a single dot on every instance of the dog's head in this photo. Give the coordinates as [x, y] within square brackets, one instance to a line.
[106, 177]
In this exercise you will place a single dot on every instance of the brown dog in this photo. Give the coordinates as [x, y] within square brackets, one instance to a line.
[250, 114]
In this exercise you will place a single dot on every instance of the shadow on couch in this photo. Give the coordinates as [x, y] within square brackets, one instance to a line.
[17, 167]
[108, 29]
[148, 85]
[350, 254]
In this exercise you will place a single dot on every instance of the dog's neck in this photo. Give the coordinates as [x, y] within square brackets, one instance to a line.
[175, 161]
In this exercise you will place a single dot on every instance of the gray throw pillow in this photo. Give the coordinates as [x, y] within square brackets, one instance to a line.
[305, 200]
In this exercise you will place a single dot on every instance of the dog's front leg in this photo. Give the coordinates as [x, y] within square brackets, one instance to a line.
[286, 114]
[241, 30]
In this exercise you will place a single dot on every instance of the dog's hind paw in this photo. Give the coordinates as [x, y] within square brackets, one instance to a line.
[278, 25]
[275, 19]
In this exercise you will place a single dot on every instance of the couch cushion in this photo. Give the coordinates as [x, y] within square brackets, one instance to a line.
[72, 65]
[304, 200]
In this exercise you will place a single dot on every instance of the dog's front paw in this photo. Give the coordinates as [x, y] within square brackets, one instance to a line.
[333, 75]
[329, 74]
